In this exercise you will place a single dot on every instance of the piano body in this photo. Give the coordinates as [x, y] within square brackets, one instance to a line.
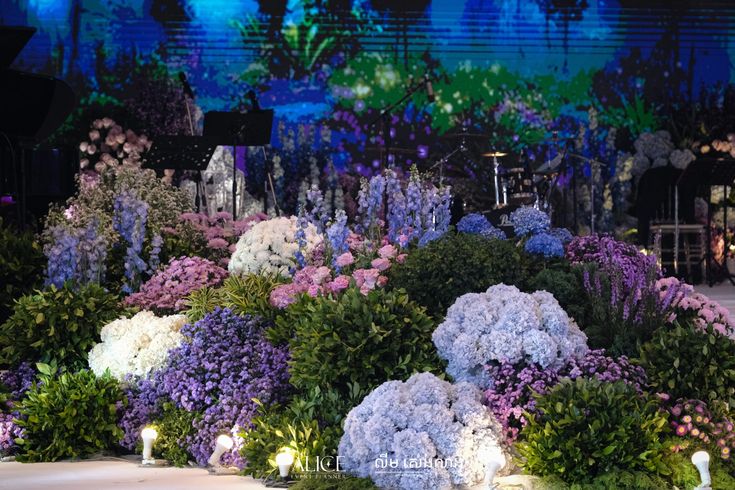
[32, 107]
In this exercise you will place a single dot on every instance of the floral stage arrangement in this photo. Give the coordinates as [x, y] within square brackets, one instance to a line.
[386, 347]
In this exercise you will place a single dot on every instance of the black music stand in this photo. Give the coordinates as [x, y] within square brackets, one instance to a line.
[181, 153]
[710, 172]
[252, 128]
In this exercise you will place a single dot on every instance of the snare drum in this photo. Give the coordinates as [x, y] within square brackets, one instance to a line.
[519, 184]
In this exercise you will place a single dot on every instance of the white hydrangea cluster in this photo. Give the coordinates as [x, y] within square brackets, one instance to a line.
[136, 345]
[424, 433]
[657, 150]
[505, 325]
[270, 247]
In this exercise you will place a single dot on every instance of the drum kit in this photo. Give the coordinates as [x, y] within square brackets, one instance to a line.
[514, 182]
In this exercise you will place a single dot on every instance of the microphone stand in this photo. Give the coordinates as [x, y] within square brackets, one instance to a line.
[198, 174]
[384, 118]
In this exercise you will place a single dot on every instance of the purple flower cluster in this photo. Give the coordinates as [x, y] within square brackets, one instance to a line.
[129, 220]
[225, 365]
[301, 225]
[545, 245]
[165, 292]
[514, 384]
[18, 380]
[144, 397]
[337, 234]
[414, 207]
[318, 212]
[695, 424]
[613, 256]
[527, 220]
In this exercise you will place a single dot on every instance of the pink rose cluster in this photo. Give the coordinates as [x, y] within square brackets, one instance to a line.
[165, 292]
[316, 281]
[687, 303]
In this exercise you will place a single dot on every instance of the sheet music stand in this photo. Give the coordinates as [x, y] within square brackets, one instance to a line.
[181, 153]
[251, 128]
[713, 171]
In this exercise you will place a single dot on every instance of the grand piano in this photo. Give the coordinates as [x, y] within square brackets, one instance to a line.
[32, 107]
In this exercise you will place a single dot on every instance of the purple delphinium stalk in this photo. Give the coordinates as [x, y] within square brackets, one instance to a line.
[337, 234]
[317, 214]
[129, 220]
[301, 225]
[63, 256]
[414, 206]
[396, 206]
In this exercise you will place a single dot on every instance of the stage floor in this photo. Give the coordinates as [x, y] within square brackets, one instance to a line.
[723, 293]
[102, 475]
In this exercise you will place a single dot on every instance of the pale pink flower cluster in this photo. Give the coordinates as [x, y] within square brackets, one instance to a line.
[727, 146]
[110, 146]
[310, 280]
[688, 303]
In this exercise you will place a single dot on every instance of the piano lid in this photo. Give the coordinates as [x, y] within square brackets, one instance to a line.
[32, 106]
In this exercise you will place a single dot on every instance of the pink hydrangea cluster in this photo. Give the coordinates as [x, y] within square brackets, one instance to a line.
[321, 280]
[219, 232]
[688, 304]
[110, 145]
[165, 292]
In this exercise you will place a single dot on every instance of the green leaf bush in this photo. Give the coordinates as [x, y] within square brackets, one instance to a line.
[245, 295]
[585, 428]
[21, 267]
[566, 285]
[69, 416]
[173, 427]
[436, 275]
[688, 362]
[356, 339]
[57, 324]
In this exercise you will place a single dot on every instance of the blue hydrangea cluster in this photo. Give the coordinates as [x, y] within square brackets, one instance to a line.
[225, 364]
[505, 325]
[421, 434]
[129, 221]
[76, 254]
[477, 224]
[562, 234]
[545, 245]
[428, 237]
[528, 220]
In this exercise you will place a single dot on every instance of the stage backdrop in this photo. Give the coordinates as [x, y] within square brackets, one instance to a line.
[600, 72]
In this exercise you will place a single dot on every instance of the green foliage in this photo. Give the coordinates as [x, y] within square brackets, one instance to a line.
[635, 116]
[21, 267]
[566, 286]
[243, 294]
[276, 428]
[687, 362]
[586, 428]
[57, 324]
[436, 275]
[69, 416]
[174, 425]
[344, 483]
[355, 338]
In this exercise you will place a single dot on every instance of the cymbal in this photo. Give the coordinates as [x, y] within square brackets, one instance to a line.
[492, 154]
[404, 151]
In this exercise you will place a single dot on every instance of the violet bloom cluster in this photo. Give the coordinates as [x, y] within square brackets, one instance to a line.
[513, 385]
[226, 363]
[505, 325]
[421, 434]
[166, 291]
[16, 381]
